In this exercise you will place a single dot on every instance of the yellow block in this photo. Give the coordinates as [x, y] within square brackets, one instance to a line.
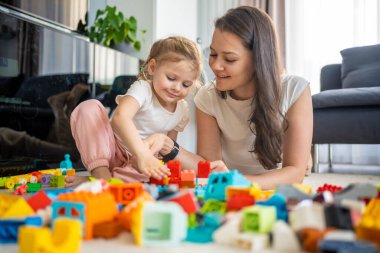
[14, 206]
[66, 237]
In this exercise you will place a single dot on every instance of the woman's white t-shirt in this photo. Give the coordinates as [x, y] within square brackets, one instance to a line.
[233, 116]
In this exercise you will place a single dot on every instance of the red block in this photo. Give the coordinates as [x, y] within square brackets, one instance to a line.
[39, 201]
[238, 201]
[204, 169]
[187, 200]
[175, 168]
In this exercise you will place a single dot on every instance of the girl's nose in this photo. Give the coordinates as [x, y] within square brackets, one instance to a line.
[176, 86]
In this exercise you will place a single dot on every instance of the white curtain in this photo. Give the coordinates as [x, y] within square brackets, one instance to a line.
[316, 31]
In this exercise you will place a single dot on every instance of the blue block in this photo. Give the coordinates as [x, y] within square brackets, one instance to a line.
[335, 246]
[9, 228]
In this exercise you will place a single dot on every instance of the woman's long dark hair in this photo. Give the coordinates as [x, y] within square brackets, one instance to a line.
[256, 31]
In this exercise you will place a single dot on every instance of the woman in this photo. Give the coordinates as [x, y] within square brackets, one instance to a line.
[251, 118]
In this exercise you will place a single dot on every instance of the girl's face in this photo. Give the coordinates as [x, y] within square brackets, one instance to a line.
[171, 81]
[232, 64]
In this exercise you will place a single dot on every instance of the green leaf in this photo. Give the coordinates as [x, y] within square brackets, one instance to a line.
[110, 26]
[137, 45]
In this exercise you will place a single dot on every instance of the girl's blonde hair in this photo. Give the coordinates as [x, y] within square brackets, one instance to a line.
[173, 49]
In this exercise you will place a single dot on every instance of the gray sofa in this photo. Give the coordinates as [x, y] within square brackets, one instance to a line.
[347, 110]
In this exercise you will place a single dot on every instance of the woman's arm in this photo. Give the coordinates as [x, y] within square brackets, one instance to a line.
[208, 137]
[208, 144]
[296, 145]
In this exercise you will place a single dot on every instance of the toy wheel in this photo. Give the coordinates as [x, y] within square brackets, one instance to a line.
[9, 183]
[128, 194]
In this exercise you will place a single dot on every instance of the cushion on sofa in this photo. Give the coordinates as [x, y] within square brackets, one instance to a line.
[361, 66]
[347, 98]
[37, 89]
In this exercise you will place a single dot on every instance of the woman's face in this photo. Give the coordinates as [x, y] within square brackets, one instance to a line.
[231, 63]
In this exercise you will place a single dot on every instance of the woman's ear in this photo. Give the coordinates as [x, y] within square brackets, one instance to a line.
[151, 66]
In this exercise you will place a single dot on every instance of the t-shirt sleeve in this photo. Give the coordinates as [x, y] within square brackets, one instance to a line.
[203, 100]
[185, 117]
[293, 88]
[139, 90]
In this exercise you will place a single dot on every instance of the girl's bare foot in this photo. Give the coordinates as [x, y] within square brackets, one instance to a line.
[74, 181]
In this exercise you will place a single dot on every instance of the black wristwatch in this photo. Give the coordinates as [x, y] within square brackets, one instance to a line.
[173, 153]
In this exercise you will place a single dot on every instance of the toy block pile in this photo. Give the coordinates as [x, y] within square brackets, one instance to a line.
[198, 206]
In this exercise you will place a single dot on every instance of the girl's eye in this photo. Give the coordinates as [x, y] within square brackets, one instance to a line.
[170, 78]
[186, 85]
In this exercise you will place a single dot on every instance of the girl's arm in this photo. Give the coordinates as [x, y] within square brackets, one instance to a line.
[296, 146]
[122, 124]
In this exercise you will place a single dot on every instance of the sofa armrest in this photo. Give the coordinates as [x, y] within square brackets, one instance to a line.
[331, 77]
[352, 97]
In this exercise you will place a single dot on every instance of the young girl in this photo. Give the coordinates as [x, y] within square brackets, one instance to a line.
[252, 117]
[125, 147]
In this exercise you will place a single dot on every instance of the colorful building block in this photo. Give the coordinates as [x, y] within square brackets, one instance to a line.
[40, 200]
[13, 206]
[66, 237]
[186, 199]
[87, 207]
[9, 227]
[126, 192]
[204, 169]
[258, 219]
[218, 182]
[368, 227]
[162, 223]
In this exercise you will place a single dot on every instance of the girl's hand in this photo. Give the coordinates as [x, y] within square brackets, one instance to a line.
[218, 166]
[150, 166]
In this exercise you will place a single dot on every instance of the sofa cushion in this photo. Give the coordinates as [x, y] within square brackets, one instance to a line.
[361, 66]
[347, 98]
[37, 89]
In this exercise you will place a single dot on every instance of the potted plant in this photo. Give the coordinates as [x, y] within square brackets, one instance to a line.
[111, 28]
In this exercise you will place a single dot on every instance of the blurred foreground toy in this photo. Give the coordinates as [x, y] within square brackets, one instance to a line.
[66, 237]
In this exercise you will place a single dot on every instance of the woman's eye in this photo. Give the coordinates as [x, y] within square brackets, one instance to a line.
[213, 55]
[230, 60]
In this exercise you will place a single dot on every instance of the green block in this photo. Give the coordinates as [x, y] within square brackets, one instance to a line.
[33, 187]
[213, 205]
[57, 181]
[258, 219]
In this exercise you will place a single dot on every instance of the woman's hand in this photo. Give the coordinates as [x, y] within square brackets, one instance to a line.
[159, 144]
[218, 166]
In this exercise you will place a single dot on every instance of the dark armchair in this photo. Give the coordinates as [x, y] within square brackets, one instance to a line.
[347, 110]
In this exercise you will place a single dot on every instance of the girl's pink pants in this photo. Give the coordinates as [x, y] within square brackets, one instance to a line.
[97, 143]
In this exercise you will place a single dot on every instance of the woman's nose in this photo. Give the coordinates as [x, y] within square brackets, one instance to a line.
[216, 64]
